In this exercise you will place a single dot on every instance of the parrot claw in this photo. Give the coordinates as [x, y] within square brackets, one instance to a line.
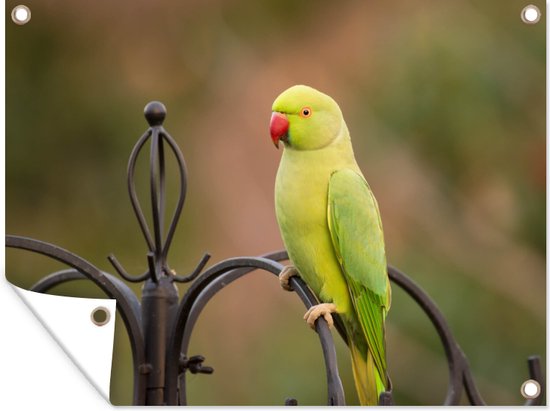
[319, 310]
[284, 276]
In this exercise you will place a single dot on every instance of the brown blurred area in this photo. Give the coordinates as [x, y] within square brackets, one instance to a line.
[445, 102]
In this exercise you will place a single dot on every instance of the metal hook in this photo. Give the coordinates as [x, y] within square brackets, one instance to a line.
[196, 271]
[123, 273]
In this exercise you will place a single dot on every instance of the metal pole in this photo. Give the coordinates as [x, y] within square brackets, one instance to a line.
[158, 306]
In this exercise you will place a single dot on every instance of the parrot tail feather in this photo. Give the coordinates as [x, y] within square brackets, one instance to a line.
[368, 382]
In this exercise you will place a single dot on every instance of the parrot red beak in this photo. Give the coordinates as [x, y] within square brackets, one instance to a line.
[278, 127]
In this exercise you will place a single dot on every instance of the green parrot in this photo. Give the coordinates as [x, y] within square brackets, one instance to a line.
[331, 228]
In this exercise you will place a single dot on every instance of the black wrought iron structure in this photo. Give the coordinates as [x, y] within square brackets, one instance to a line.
[160, 325]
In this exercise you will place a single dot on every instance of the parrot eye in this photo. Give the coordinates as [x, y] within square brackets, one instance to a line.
[305, 112]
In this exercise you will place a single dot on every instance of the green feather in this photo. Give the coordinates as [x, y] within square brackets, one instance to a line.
[356, 231]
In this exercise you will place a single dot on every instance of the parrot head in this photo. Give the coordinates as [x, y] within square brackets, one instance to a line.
[305, 119]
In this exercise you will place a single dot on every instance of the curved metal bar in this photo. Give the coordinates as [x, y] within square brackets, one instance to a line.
[470, 387]
[132, 188]
[133, 323]
[122, 272]
[335, 388]
[137, 210]
[162, 184]
[336, 396]
[282, 255]
[452, 352]
[209, 284]
[59, 277]
[194, 274]
[157, 228]
[460, 375]
[183, 191]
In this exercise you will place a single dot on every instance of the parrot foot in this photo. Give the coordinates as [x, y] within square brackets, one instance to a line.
[284, 276]
[319, 310]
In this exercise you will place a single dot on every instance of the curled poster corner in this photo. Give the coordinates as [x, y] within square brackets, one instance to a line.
[83, 327]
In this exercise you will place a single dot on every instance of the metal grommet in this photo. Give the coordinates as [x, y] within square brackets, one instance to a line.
[530, 389]
[21, 14]
[100, 316]
[531, 14]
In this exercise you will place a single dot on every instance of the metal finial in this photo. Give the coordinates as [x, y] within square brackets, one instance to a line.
[155, 113]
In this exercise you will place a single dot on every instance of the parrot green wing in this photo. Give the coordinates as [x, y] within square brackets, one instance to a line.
[358, 239]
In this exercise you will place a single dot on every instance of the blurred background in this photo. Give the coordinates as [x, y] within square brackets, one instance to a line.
[445, 102]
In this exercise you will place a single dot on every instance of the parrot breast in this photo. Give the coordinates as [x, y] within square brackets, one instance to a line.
[301, 202]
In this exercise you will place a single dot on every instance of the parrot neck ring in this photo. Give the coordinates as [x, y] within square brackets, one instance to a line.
[278, 127]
